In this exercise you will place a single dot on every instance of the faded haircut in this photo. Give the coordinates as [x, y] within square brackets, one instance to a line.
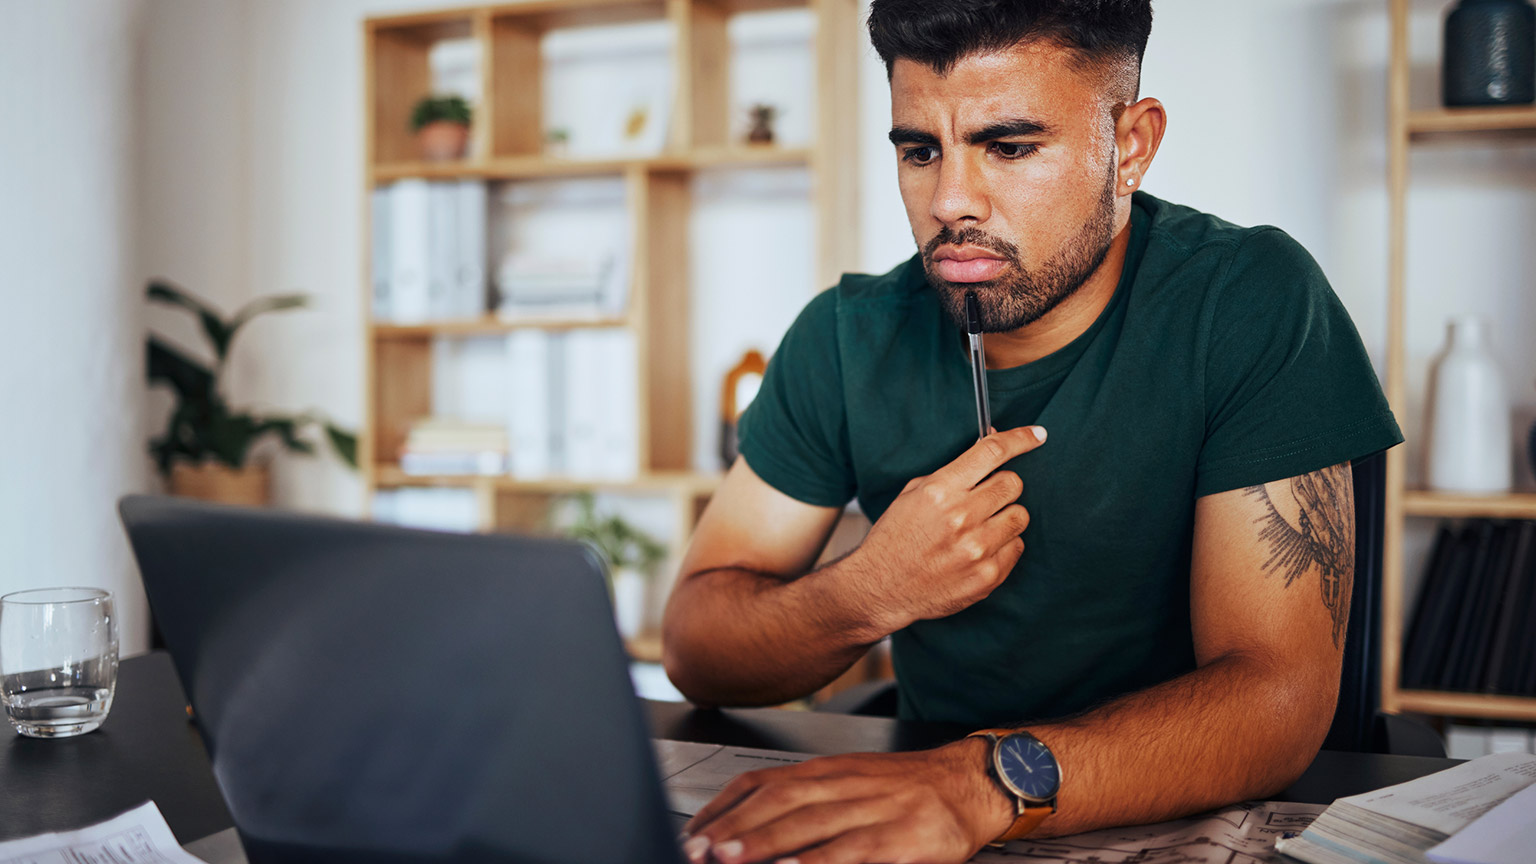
[1108, 35]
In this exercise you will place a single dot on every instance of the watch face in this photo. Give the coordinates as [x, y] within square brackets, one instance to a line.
[1028, 766]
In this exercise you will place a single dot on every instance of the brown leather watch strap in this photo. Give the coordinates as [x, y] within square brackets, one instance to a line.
[1029, 815]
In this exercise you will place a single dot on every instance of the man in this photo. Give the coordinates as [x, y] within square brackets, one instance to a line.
[1145, 608]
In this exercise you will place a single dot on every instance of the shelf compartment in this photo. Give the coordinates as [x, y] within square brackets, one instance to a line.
[1502, 122]
[533, 167]
[1478, 705]
[399, 73]
[541, 15]
[1450, 506]
[486, 327]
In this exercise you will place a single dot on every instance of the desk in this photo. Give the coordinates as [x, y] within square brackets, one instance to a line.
[147, 750]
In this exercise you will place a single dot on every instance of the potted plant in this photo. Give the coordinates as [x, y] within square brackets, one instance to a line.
[631, 556]
[205, 451]
[441, 124]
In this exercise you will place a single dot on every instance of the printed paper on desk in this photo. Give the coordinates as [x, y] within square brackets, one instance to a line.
[139, 836]
[1504, 835]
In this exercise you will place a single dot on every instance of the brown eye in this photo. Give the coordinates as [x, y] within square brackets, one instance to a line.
[919, 155]
[1008, 150]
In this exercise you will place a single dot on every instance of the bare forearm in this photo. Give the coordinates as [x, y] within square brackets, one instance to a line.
[737, 637]
[1232, 730]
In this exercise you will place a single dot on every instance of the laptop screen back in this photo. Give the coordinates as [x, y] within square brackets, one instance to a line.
[383, 694]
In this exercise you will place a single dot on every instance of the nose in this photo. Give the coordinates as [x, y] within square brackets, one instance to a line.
[960, 195]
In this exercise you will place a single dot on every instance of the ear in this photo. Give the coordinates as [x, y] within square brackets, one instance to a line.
[1138, 132]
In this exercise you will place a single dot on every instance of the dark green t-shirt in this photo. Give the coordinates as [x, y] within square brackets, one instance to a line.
[1223, 360]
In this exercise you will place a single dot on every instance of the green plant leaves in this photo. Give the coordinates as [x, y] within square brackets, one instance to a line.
[434, 108]
[202, 426]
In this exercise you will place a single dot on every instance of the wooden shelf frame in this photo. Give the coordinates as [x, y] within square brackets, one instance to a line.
[508, 146]
[1406, 126]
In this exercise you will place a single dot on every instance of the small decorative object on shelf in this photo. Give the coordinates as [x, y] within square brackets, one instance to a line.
[741, 385]
[630, 554]
[1470, 445]
[206, 448]
[441, 124]
[1490, 53]
[760, 129]
[557, 142]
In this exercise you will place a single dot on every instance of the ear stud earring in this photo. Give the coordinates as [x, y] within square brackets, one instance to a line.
[1130, 181]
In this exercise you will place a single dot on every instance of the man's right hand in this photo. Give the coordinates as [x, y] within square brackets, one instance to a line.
[950, 538]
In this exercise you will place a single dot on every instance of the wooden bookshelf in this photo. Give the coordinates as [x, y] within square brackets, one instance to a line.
[508, 146]
[1445, 122]
[1444, 505]
[1405, 127]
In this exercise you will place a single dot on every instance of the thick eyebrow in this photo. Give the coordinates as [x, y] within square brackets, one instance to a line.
[1007, 129]
[908, 135]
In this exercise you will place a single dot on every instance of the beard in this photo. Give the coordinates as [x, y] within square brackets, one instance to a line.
[1021, 296]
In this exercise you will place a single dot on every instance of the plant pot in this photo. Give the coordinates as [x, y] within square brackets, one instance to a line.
[211, 481]
[442, 140]
[629, 590]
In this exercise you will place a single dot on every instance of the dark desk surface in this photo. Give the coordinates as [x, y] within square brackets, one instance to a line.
[147, 750]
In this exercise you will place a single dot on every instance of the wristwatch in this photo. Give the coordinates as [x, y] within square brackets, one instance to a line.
[1027, 772]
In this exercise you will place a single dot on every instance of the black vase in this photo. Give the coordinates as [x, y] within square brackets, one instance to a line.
[1490, 53]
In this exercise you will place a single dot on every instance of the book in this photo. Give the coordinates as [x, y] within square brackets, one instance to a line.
[620, 433]
[442, 249]
[1431, 594]
[379, 248]
[529, 403]
[1399, 824]
[470, 282]
[1508, 625]
[585, 403]
[409, 243]
[1526, 678]
[1468, 590]
[1485, 614]
[1442, 598]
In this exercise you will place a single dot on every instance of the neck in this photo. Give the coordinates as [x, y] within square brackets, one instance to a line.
[1070, 319]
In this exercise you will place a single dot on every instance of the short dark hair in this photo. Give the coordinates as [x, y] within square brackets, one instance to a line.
[938, 33]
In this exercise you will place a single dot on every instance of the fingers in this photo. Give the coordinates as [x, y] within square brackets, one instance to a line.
[1000, 490]
[769, 796]
[801, 828]
[988, 454]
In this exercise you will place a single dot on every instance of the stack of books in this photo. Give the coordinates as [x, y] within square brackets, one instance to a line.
[1471, 630]
[442, 446]
[540, 286]
[429, 251]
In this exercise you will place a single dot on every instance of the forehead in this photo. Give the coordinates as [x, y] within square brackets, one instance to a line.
[1038, 80]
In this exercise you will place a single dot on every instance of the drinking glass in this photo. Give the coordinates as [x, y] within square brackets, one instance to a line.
[58, 660]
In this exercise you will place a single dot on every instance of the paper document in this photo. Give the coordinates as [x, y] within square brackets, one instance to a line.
[1504, 835]
[1398, 824]
[139, 836]
[1241, 834]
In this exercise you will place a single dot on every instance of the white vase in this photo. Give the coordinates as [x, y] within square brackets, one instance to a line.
[1470, 446]
[628, 602]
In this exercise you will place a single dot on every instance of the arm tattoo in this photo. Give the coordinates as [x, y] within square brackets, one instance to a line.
[1320, 534]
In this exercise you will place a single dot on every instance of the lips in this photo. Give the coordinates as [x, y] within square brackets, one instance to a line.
[968, 264]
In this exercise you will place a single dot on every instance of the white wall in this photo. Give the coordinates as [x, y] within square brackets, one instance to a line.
[71, 359]
[1277, 115]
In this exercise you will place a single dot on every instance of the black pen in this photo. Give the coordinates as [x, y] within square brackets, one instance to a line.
[978, 363]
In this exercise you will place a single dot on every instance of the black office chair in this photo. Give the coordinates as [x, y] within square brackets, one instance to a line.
[1358, 723]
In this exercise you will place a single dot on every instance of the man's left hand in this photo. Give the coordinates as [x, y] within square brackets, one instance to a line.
[929, 806]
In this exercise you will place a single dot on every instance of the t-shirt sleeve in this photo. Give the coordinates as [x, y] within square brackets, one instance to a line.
[794, 435]
[1289, 388]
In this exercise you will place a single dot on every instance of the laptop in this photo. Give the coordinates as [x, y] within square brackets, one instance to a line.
[374, 693]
